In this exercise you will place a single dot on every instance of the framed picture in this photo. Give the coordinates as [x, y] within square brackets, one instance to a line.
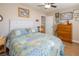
[66, 16]
[76, 15]
[23, 12]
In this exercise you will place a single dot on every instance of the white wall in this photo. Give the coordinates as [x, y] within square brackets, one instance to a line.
[10, 12]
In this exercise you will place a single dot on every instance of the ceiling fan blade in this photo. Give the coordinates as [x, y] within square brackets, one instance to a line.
[52, 3]
[40, 5]
[53, 6]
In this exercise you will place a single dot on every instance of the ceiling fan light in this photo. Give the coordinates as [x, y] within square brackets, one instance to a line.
[47, 6]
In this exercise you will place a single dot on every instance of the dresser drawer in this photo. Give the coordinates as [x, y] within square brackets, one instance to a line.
[65, 36]
[64, 28]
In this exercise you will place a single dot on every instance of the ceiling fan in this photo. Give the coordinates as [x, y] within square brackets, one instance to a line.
[47, 5]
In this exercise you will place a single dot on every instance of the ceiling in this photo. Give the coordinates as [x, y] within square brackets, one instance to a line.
[60, 7]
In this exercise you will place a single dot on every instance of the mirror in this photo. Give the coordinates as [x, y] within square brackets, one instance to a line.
[1, 18]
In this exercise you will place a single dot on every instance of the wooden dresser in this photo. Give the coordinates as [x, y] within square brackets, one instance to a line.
[64, 32]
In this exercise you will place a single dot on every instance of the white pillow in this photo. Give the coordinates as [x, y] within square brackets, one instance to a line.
[18, 33]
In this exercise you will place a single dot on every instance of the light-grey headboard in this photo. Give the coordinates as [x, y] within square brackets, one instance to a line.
[15, 24]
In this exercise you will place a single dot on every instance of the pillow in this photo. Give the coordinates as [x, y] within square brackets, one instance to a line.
[22, 31]
[19, 32]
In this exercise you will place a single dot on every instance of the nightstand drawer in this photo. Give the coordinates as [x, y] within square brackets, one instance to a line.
[2, 48]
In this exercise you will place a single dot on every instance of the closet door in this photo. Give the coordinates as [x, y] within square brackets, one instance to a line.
[49, 25]
[75, 26]
[76, 31]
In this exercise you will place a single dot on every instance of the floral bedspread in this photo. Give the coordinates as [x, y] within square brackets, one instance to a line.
[35, 44]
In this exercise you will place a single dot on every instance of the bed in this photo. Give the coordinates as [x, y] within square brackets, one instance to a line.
[27, 42]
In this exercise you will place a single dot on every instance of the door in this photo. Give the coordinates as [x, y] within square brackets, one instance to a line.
[43, 24]
[49, 25]
[75, 32]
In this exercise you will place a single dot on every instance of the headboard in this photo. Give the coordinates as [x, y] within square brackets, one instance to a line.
[15, 24]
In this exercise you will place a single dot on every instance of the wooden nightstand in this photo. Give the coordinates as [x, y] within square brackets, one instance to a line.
[2, 44]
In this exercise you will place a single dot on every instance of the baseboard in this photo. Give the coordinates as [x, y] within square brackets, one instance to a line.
[75, 41]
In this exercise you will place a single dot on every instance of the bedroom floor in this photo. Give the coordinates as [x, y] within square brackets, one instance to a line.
[71, 49]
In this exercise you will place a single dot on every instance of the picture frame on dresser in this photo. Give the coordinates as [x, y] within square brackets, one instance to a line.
[76, 15]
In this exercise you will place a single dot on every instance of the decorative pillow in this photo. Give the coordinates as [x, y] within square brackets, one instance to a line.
[19, 32]
[22, 31]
